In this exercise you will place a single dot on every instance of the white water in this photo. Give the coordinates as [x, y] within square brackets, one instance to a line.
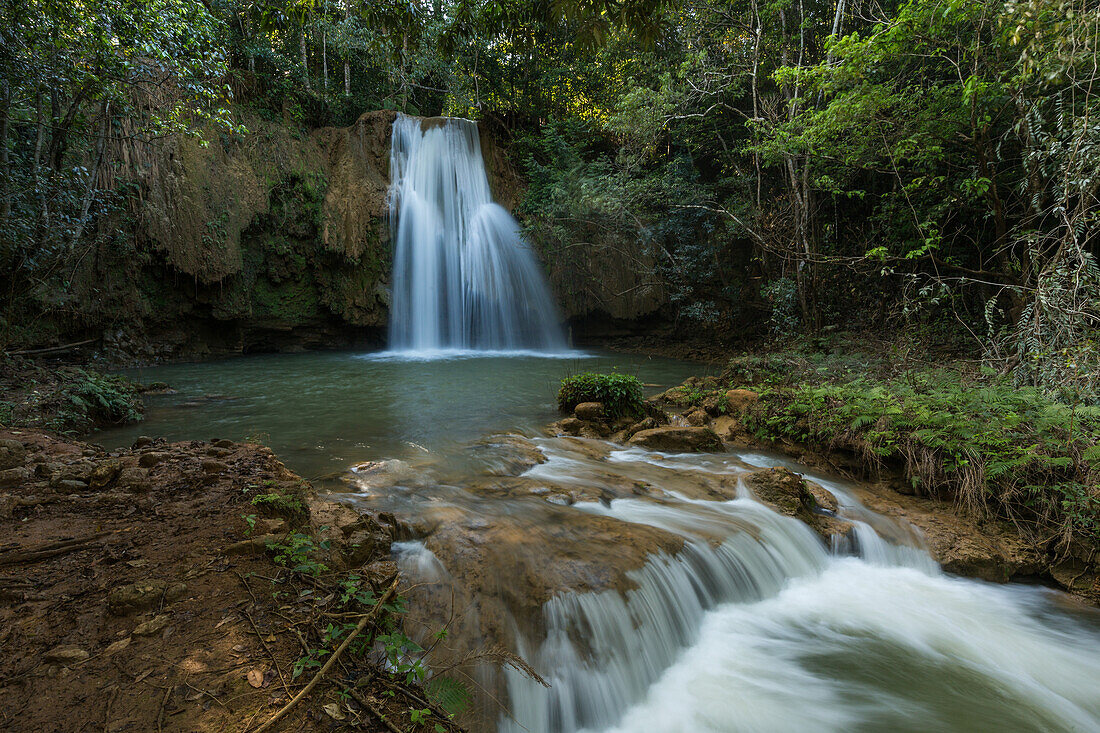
[463, 277]
[756, 626]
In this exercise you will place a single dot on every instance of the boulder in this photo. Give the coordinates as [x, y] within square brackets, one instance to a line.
[790, 495]
[133, 479]
[589, 411]
[697, 417]
[648, 424]
[148, 460]
[12, 454]
[104, 474]
[214, 467]
[568, 426]
[672, 439]
[740, 400]
[15, 476]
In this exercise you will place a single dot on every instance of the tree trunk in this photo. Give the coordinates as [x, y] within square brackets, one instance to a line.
[5, 104]
[305, 64]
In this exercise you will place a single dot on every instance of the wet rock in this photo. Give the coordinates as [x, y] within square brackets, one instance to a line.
[789, 494]
[380, 573]
[363, 540]
[508, 455]
[12, 454]
[697, 417]
[148, 460]
[589, 411]
[69, 486]
[141, 442]
[648, 424]
[223, 443]
[104, 474]
[66, 654]
[142, 596]
[677, 439]
[214, 467]
[153, 626]
[740, 400]
[781, 488]
[962, 544]
[1077, 576]
[568, 426]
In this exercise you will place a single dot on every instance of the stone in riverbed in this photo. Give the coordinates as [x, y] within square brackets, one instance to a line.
[677, 440]
[738, 401]
[568, 426]
[589, 411]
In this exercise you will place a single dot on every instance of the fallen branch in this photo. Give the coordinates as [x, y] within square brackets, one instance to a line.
[362, 700]
[366, 619]
[51, 349]
[51, 550]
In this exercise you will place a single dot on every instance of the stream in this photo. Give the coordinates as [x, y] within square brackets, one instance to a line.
[653, 592]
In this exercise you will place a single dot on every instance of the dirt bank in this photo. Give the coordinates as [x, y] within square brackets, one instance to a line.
[189, 587]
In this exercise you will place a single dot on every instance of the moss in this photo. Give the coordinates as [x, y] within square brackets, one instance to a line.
[288, 302]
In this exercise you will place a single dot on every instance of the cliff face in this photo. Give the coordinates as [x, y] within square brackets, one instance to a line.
[270, 240]
[265, 241]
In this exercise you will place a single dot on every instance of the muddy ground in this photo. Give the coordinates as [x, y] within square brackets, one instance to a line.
[134, 595]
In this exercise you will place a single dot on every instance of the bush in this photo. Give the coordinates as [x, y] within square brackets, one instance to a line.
[621, 394]
[93, 400]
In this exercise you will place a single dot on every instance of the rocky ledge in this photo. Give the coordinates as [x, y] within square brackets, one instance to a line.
[698, 416]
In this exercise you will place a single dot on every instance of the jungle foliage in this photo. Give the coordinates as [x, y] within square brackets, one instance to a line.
[777, 167]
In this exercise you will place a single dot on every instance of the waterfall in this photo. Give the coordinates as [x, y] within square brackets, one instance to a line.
[463, 277]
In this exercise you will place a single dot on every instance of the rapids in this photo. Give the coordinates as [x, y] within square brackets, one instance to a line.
[753, 624]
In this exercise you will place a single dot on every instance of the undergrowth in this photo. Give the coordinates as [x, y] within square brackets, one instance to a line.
[994, 448]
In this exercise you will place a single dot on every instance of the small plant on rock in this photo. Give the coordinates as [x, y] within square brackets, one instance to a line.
[620, 394]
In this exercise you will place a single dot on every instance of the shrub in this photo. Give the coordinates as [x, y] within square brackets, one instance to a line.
[621, 394]
[94, 399]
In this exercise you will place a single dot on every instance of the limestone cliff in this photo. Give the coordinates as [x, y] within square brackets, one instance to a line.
[277, 239]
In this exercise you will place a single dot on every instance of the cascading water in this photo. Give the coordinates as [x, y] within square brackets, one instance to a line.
[752, 624]
[463, 277]
[766, 630]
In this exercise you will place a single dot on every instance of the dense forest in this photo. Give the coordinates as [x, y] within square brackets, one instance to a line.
[779, 167]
